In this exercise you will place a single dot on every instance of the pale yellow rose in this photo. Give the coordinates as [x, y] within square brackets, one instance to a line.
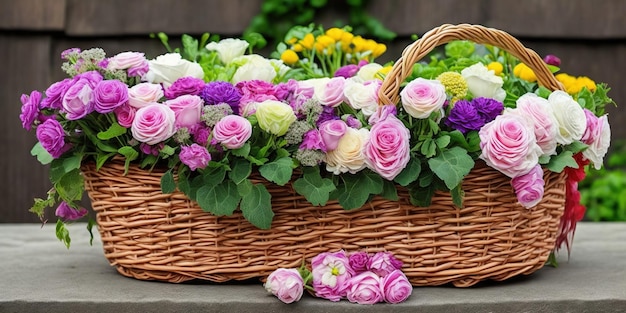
[348, 156]
[275, 117]
[253, 67]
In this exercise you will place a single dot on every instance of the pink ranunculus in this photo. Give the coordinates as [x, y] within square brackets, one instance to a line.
[313, 141]
[135, 63]
[125, 115]
[255, 91]
[597, 136]
[396, 287]
[331, 93]
[286, 284]
[388, 150]
[109, 95]
[364, 288]
[421, 97]
[383, 263]
[232, 131]
[331, 271]
[67, 213]
[194, 156]
[508, 144]
[331, 132]
[545, 124]
[529, 187]
[30, 109]
[187, 109]
[358, 261]
[144, 94]
[52, 137]
[154, 123]
[78, 98]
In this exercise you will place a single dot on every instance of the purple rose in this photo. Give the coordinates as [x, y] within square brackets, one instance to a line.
[358, 261]
[488, 108]
[52, 137]
[328, 114]
[383, 263]
[331, 133]
[232, 131]
[552, 59]
[67, 213]
[78, 100]
[529, 187]
[184, 86]
[396, 287]
[54, 94]
[388, 150]
[109, 95]
[464, 117]
[255, 91]
[194, 156]
[364, 288]
[286, 284]
[352, 121]
[330, 272]
[154, 123]
[187, 109]
[221, 92]
[30, 109]
[313, 141]
[125, 115]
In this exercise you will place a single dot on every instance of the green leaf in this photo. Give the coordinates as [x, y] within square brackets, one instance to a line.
[244, 187]
[443, 141]
[42, 155]
[473, 141]
[278, 172]
[544, 159]
[167, 151]
[255, 40]
[130, 154]
[313, 187]
[429, 148]
[63, 234]
[90, 224]
[190, 47]
[576, 147]
[426, 178]
[560, 161]
[243, 151]
[256, 207]
[220, 200]
[358, 187]
[410, 173]
[241, 170]
[452, 166]
[457, 196]
[214, 176]
[102, 158]
[113, 131]
[72, 163]
[390, 192]
[421, 196]
[168, 184]
[70, 186]
[183, 182]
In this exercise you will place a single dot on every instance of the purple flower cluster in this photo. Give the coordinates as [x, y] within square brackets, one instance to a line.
[221, 92]
[471, 115]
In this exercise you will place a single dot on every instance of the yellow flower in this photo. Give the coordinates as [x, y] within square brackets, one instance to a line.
[496, 67]
[335, 33]
[297, 47]
[379, 50]
[383, 72]
[587, 82]
[524, 72]
[455, 84]
[358, 44]
[308, 41]
[292, 40]
[290, 57]
[370, 45]
[574, 85]
[322, 42]
[346, 41]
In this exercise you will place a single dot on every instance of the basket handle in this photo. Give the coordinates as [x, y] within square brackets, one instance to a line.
[402, 68]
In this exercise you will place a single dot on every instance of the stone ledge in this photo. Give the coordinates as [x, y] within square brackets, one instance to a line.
[40, 275]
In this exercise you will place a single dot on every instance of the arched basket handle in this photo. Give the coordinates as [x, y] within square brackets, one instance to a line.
[389, 91]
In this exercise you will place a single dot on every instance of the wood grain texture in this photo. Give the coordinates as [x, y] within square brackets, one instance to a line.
[32, 14]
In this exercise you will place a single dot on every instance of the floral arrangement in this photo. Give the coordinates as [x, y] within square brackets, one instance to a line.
[359, 277]
[215, 115]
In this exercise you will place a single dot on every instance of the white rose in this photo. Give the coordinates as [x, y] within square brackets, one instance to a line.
[569, 115]
[368, 71]
[421, 97]
[362, 96]
[483, 82]
[253, 67]
[169, 67]
[348, 156]
[599, 146]
[228, 49]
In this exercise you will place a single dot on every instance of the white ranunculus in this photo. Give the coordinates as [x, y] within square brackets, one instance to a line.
[368, 71]
[599, 146]
[362, 96]
[569, 115]
[253, 67]
[318, 85]
[348, 156]
[228, 49]
[280, 67]
[483, 82]
[169, 67]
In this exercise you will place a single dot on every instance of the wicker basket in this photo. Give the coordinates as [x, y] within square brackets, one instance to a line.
[153, 236]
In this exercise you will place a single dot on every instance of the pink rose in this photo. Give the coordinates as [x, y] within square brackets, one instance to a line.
[358, 261]
[78, 98]
[143, 94]
[529, 187]
[331, 132]
[187, 109]
[286, 284]
[52, 138]
[125, 115]
[194, 156]
[330, 272]
[134, 62]
[421, 97]
[598, 136]
[545, 124]
[364, 288]
[332, 92]
[508, 144]
[232, 131]
[396, 287]
[382, 113]
[153, 123]
[110, 94]
[383, 263]
[387, 151]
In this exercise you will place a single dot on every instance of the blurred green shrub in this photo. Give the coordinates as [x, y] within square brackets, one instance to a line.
[603, 191]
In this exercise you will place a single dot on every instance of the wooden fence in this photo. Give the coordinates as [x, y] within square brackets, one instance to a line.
[589, 36]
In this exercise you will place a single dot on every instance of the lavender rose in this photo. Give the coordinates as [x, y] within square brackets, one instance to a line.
[30, 109]
[388, 148]
[331, 93]
[78, 98]
[52, 137]
[187, 109]
[232, 131]
[184, 86]
[598, 137]
[194, 156]
[396, 287]
[67, 213]
[109, 95]
[545, 124]
[54, 94]
[422, 97]
[529, 187]
[383, 263]
[154, 123]
[364, 288]
[286, 284]
[464, 117]
[331, 132]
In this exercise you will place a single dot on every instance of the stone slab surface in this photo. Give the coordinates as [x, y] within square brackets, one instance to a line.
[38, 274]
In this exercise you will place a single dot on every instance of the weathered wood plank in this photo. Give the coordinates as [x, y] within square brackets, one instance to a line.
[32, 14]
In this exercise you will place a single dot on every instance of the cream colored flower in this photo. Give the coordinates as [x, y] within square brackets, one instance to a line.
[570, 117]
[228, 49]
[348, 156]
[167, 68]
[483, 82]
[275, 117]
[253, 67]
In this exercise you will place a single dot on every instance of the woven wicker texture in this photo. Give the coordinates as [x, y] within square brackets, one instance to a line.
[151, 236]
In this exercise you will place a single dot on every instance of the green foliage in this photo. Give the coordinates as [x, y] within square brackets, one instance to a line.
[602, 191]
